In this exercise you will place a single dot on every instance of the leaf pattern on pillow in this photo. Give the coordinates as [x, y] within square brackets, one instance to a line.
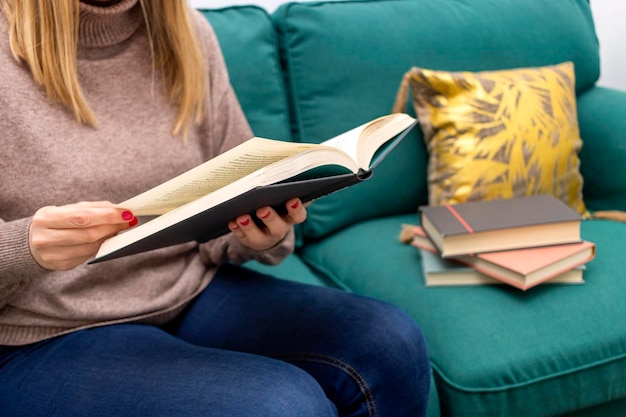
[500, 134]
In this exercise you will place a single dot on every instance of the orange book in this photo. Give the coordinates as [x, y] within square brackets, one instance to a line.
[521, 268]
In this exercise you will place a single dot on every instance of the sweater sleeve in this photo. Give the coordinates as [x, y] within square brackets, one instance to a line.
[17, 264]
[228, 249]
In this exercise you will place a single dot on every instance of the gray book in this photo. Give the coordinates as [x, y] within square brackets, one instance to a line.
[497, 225]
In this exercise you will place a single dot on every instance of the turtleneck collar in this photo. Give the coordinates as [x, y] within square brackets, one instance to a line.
[110, 25]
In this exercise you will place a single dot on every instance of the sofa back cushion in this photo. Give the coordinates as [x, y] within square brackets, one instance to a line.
[344, 61]
[250, 49]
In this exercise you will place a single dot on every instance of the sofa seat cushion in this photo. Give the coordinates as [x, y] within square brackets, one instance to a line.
[497, 350]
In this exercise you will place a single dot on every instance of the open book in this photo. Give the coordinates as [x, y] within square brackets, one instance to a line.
[198, 204]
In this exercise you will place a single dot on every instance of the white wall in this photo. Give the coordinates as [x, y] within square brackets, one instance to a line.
[610, 20]
[269, 5]
[609, 17]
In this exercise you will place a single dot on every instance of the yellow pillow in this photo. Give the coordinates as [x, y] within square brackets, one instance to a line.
[499, 134]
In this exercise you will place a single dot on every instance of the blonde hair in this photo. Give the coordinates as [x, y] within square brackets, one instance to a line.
[44, 35]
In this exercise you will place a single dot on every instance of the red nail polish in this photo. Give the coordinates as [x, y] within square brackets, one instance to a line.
[133, 222]
[127, 215]
[245, 222]
[266, 215]
[295, 205]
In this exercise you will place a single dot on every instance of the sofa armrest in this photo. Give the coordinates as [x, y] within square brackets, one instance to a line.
[601, 115]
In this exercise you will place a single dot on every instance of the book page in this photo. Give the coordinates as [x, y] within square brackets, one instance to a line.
[348, 141]
[362, 142]
[212, 175]
[259, 153]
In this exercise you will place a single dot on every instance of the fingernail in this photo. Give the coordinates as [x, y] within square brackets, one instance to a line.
[245, 222]
[133, 222]
[127, 215]
[295, 205]
[265, 216]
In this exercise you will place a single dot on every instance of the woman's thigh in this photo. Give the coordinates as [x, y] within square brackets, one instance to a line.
[369, 356]
[138, 370]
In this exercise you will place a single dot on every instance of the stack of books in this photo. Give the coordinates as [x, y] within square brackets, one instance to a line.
[522, 242]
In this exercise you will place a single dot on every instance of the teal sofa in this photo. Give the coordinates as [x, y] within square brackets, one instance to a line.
[309, 71]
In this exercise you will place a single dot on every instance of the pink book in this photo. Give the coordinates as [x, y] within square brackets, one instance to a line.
[521, 268]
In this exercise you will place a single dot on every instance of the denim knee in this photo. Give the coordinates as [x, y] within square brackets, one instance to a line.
[397, 359]
[287, 391]
[399, 332]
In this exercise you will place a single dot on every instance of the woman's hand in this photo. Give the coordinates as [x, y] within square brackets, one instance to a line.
[274, 228]
[61, 238]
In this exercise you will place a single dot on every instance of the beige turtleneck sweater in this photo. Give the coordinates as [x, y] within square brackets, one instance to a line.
[47, 158]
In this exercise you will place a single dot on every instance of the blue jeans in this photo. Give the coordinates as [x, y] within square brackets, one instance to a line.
[250, 345]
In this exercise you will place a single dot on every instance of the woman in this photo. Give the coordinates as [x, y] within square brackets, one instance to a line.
[100, 100]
